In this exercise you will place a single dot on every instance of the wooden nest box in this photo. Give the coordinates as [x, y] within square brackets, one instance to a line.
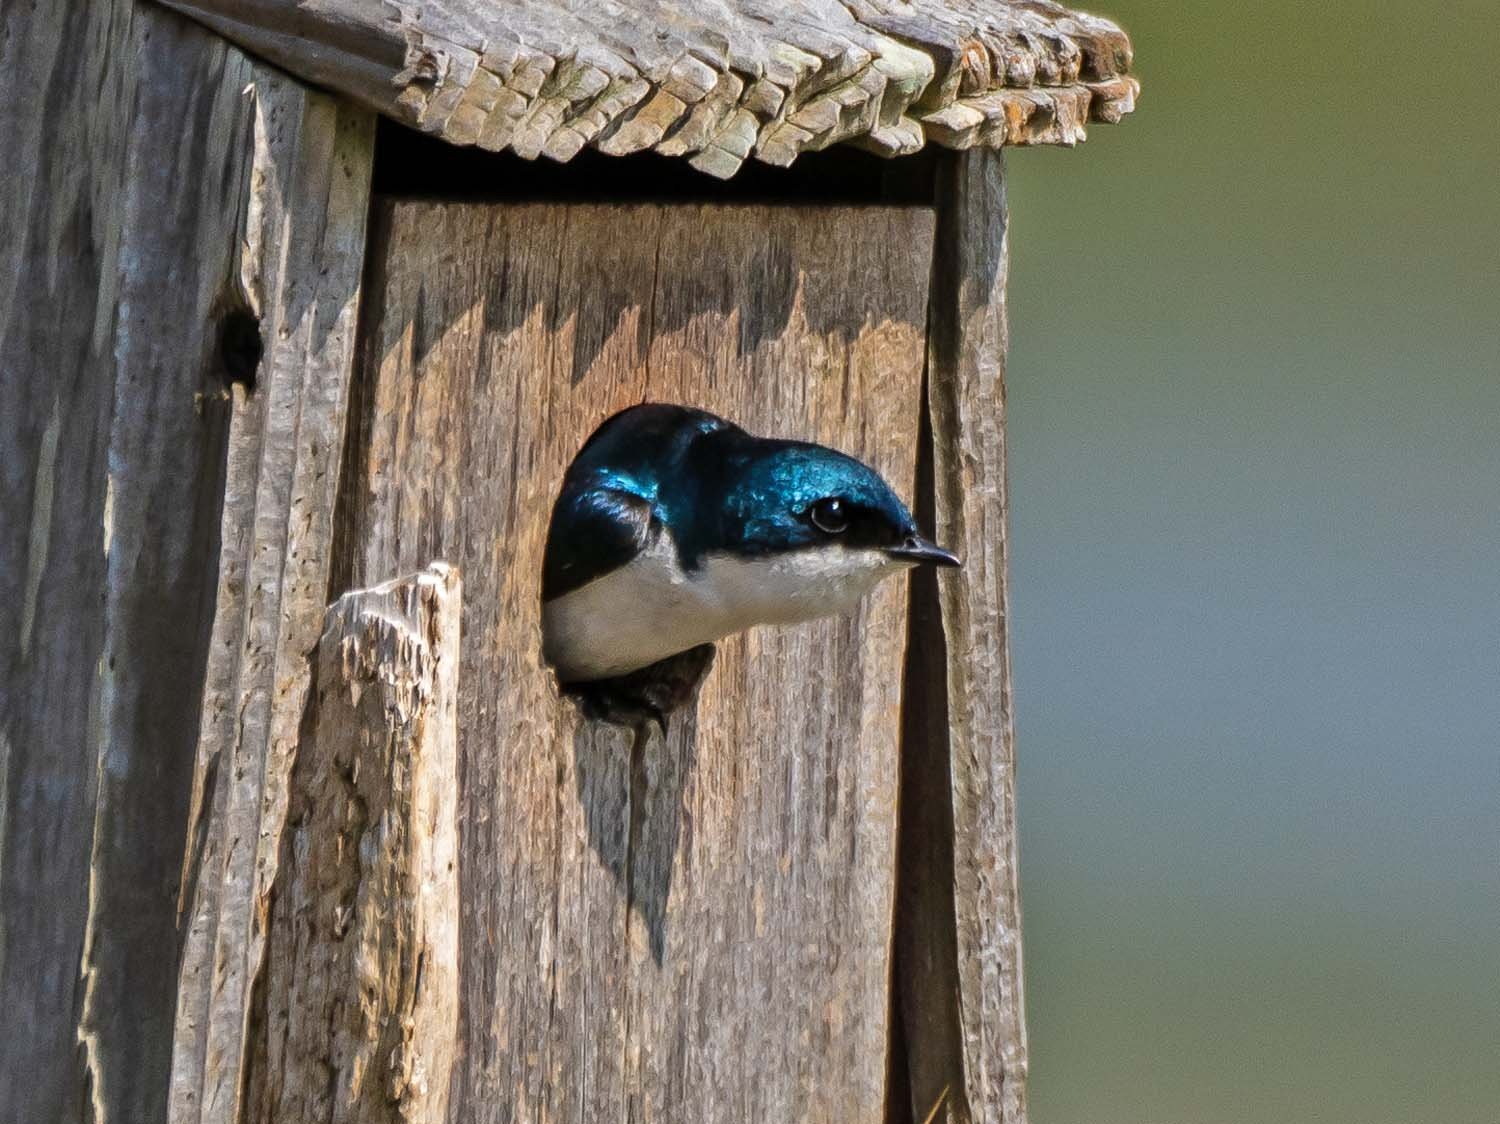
[288, 395]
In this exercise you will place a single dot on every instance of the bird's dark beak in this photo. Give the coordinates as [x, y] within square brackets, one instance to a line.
[916, 549]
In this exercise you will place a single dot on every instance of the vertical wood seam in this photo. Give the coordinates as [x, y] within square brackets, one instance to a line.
[967, 401]
[926, 983]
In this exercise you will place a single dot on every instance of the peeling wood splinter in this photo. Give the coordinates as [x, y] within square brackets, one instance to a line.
[359, 1015]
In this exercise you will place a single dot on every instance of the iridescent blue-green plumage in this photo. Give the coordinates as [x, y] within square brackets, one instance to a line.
[609, 498]
[674, 528]
[771, 485]
[714, 485]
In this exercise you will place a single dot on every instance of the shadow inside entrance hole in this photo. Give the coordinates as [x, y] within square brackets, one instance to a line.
[631, 788]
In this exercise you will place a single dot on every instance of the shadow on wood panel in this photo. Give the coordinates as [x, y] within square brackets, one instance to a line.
[411, 163]
[634, 827]
[761, 305]
[768, 291]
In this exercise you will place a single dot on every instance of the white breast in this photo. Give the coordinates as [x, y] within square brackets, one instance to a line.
[650, 608]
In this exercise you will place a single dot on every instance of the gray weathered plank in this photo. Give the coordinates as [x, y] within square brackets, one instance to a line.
[130, 147]
[360, 1007]
[549, 76]
[970, 996]
[706, 938]
[303, 251]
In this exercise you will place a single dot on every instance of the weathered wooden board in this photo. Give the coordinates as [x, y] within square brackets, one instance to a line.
[711, 82]
[303, 243]
[130, 138]
[960, 955]
[360, 1019]
[708, 940]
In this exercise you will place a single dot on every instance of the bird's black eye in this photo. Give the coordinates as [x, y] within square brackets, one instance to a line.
[830, 516]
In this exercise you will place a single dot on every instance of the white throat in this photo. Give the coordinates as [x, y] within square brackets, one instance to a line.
[651, 608]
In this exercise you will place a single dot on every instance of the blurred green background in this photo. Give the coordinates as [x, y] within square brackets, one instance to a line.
[1255, 439]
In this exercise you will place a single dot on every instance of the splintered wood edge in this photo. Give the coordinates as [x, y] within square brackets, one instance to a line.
[367, 900]
[764, 78]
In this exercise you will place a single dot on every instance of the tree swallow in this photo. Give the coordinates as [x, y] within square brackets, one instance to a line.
[675, 528]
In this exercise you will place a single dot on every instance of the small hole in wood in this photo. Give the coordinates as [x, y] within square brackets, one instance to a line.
[240, 347]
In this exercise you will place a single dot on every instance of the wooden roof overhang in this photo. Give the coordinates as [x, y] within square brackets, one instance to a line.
[711, 81]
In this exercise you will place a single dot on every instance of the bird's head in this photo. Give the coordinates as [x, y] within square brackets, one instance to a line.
[675, 528]
[804, 531]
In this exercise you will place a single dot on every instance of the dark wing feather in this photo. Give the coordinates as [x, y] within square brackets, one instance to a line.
[593, 531]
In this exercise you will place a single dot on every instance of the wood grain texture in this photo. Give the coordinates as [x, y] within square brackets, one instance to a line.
[703, 936]
[359, 1018]
[303, 241]
[130, 148]
[712, 83]
[927, 1047]
[972, 994]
